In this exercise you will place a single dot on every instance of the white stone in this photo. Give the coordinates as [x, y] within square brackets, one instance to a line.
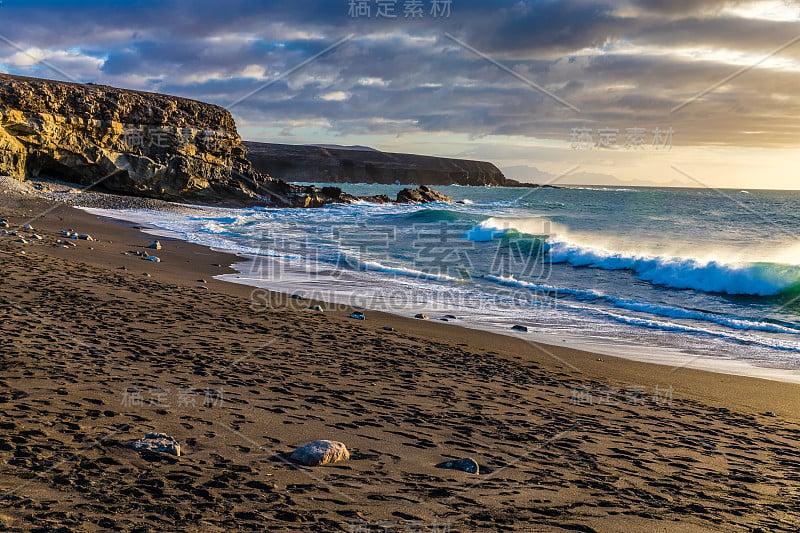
[157, 442]
[320, 453]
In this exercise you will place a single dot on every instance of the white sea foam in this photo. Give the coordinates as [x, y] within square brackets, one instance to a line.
[724, 276]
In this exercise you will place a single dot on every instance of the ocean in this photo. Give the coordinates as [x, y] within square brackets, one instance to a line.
[695, 278]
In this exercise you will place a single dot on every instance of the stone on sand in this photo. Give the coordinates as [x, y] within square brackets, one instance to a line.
[157, 442]
[421, 316]
[520, 328]
[320, 453]
[317, 308]
[466, 464]
[85, 237]
[4, 224]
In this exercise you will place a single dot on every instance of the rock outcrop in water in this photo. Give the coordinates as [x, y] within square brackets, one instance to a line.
[422, 195]
[341, 165]
[135, 143]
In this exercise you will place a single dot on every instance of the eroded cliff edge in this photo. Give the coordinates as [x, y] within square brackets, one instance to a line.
[133, 143]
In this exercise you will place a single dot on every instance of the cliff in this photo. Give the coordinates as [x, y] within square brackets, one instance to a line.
[133, 143]
[340, 165]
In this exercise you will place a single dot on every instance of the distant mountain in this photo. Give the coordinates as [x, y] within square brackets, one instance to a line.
[340, 147]
[528, 174]
[304, 163]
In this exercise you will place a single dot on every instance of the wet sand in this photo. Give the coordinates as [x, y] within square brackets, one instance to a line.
[95, 355]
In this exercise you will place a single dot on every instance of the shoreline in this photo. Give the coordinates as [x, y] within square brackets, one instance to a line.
[672, 357]
[566, 439]
[564, 356]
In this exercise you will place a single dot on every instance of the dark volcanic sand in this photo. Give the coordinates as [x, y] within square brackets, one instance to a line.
[93, 357]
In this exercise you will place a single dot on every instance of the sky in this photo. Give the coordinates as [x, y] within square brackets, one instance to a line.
[634, 92]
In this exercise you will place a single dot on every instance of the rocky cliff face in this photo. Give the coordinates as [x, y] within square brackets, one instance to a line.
[133, 143]
[336, 165]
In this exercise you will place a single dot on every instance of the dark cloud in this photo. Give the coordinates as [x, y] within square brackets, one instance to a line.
[622, 63]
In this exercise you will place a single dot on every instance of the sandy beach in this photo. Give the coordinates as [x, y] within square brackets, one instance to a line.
[100, 347]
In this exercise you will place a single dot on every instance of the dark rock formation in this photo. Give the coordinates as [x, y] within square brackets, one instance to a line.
[134, 143]
[340, 165]
[421, 195]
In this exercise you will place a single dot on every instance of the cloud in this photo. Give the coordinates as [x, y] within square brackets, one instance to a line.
[623, 64]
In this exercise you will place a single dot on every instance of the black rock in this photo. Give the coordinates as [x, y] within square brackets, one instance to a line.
[422, 195]
[465, 465]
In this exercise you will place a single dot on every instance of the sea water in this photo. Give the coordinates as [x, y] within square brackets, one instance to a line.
[690, 277]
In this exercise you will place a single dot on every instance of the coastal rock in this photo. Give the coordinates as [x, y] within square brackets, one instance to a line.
[421, 316]
[524, 329]
[331, 164]
[134, 143]
[157, 442]
[466, 464]
[421, 195]
[320, 453]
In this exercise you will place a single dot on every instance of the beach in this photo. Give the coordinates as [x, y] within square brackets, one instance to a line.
[102, 347]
